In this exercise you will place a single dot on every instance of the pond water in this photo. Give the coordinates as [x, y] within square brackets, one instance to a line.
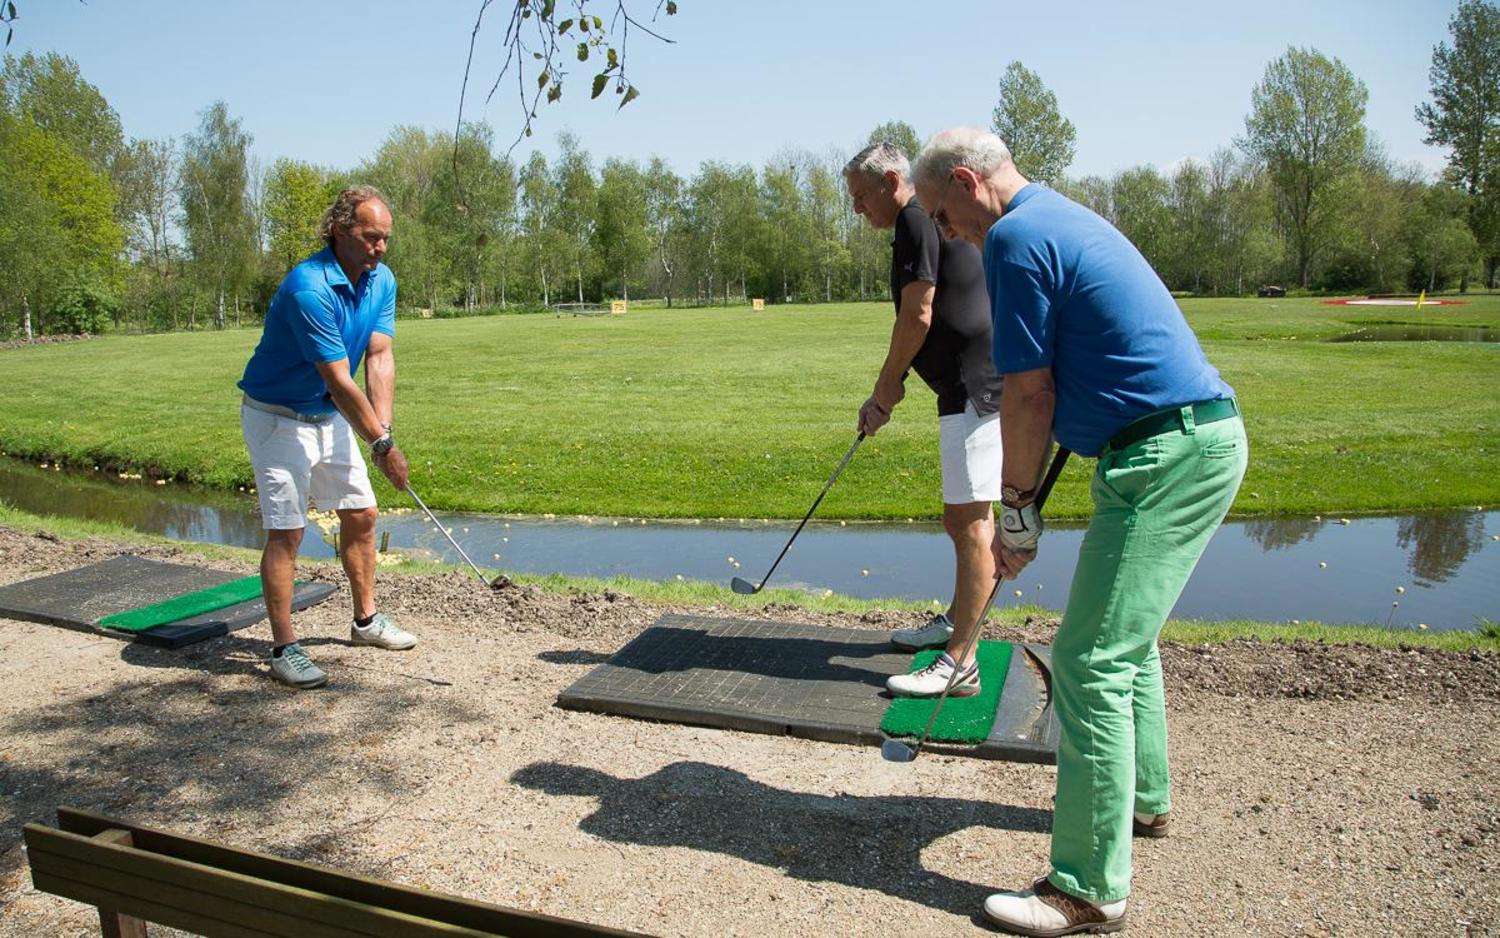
[1445, 564]
[1399, 333]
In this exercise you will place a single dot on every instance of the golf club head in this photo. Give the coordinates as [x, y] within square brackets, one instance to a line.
[500, 582]
[894, 750]
[744, 586]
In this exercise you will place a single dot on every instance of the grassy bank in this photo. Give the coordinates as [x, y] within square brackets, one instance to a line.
[728, 413]
[699, 593]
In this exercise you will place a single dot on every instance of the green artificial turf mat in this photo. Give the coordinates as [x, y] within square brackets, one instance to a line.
[964, 719]
[185, 606]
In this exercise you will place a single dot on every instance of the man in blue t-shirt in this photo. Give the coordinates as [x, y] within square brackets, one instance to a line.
[302, 416]
[1094, 352]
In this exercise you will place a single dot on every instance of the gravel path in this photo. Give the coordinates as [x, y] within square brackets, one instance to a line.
[1320, 790]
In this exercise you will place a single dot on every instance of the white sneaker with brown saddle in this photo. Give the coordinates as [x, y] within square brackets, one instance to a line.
[1152, 825]
[382, 632]
[933, 679]
[1044, 911]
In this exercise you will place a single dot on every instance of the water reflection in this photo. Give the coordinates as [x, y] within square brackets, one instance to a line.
[1281, 533]
[1439, 543]
[1401, 333]
[1435, 565]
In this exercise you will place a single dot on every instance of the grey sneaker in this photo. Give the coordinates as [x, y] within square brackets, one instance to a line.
[294, 667]
[933, 679]
[934, 634]
[382, 632]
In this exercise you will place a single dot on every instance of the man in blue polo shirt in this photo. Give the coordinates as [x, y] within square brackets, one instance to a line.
[1095, 352]
[303, 416]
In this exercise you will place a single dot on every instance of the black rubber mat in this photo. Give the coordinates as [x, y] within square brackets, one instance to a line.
[78, 599]
[799, 680]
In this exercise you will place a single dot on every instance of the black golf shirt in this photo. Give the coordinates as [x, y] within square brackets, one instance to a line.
[957, 360]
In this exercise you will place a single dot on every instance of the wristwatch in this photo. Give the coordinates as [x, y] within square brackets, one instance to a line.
[383, 445]
[1010, 495]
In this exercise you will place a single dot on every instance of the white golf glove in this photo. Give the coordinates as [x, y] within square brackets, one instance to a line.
[1020, 528]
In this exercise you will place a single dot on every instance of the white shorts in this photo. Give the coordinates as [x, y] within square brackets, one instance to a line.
[295, 461]
[970, 446]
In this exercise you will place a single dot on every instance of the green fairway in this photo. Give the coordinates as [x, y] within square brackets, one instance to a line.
[726, 412]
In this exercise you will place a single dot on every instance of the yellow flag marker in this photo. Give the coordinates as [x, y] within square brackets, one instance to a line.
[1421, 299]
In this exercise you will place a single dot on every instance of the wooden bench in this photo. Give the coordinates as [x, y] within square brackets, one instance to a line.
[137, 875]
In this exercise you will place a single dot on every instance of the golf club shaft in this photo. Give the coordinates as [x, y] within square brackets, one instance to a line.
[1042, 492]
[434, 520]
[842, 463]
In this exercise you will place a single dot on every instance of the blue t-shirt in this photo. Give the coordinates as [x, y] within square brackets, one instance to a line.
[1071, 293]
[317, 316]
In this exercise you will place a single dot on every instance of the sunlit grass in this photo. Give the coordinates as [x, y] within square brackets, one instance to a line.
[725, 412]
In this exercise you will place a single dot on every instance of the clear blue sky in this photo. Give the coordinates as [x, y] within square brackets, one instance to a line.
[1146, 82]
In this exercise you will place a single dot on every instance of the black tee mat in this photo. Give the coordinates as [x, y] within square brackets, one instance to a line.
[799, 680]
[78, 599]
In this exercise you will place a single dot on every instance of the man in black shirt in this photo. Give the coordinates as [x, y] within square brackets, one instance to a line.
[942, 331]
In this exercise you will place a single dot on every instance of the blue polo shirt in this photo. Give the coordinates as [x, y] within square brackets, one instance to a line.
[1071, 293]
[317, 316]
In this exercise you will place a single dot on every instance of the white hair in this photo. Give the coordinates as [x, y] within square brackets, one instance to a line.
[876, 160]
[969, 147]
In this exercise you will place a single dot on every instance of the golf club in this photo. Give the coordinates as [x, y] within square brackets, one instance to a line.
[745, 586]
[500, 581]
[894, 750]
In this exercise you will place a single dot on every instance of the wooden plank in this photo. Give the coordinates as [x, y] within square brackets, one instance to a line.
[267, 907]
[421, 903]
[112, 922]
[146, 909]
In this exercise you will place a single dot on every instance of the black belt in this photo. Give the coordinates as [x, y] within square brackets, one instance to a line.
[1162, 421]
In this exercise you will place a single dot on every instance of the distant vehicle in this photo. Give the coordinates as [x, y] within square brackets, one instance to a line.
[1269, 290]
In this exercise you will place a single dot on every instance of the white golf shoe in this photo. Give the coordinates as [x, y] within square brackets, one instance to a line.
[294, 667]
[934, 634]
[933, 679]
[382, 632]
[1045, 911]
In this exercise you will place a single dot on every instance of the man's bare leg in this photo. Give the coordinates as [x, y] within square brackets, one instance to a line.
[971, 526]
[357, 551]
[278, 577]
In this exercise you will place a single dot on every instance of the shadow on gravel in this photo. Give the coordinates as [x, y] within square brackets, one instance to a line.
[213, 751]
[576, 656]
[865, 842]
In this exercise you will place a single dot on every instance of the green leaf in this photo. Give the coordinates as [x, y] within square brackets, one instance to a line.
[599, 82]
[554, 92]
[614, 58]
[542, 79]
[598, 23]
[548, 7]
[671, 8]
[564, 26]
[583, 23]
[583, 52]
[630, 95]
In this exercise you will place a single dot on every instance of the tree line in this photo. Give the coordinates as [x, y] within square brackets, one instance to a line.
[98, 230]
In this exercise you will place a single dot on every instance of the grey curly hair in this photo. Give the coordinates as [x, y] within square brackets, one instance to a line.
[341, 213]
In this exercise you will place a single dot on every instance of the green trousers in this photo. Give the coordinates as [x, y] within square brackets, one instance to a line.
[1156, 504]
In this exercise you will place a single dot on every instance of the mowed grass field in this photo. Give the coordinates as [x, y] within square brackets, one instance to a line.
[709, 413]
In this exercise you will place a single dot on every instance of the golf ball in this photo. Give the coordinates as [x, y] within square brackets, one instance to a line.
[864, 573]
[1322, 564]
[1400, 589]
